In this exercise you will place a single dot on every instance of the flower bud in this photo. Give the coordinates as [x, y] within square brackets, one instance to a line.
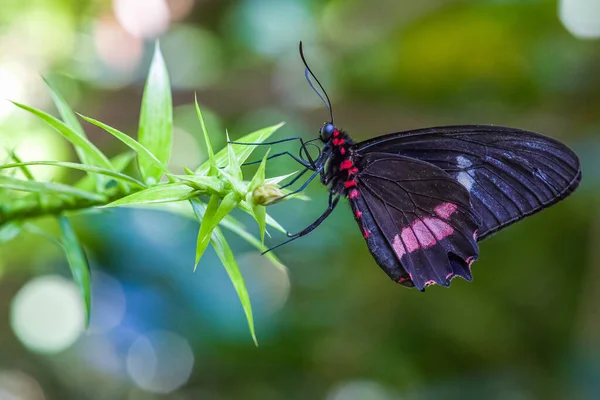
[266, 194]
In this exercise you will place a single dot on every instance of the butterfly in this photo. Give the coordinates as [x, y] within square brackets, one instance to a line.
[424, 198]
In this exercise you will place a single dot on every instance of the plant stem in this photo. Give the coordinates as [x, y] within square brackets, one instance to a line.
[34, 208]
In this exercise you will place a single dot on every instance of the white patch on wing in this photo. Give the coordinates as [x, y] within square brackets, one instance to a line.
[466, 180]
[463, 162]
[463, 177]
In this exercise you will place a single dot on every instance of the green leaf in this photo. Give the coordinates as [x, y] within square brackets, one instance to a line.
[245, 206]
[119, 163]
[211, 154]
[8, 182]
[26, 171]
[184, 209]
[259, 177]
[70, 119]
[242, 151]
[155, 130]
[239, 229]
[80, 167]
[275, 180]
[233, 165]
[226, 256]
[157, 194]
[9, 231]
[260, 214]
[93, 154]
[259, 211]
[204, 183]
[213, 216]
[133, 144]
[78, 263]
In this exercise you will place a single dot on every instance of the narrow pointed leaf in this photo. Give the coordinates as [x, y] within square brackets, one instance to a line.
[239, 229]
[78, 263]
[244, 206]
[26, 171]
[242, 151]
[259, 177]
[119, 163]
[131, 143]
[211, 155]
[226, 256]
[260, 213]
[211, 221]
[233, 165]
[93, 154]
[70, 119]
[8, 182]
[205, 224]
[155, 131]
[80, 167]
[156, 194]
[185, 209]
[275, 180]
[205, 183]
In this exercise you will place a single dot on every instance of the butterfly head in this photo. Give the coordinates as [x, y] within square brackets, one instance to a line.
[326, 131]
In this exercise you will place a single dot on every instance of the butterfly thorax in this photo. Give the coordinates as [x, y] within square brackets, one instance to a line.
[342, 164]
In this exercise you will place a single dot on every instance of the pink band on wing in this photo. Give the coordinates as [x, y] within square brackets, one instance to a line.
[445, 210]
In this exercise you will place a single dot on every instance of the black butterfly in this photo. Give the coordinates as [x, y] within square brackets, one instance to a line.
[424, 198]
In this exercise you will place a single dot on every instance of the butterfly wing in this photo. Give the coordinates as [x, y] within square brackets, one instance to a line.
[510, 173]
[416, 219]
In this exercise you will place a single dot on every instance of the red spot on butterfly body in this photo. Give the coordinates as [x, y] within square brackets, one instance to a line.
[353, 171]
[338, 142]
[353, 194]
[336, 133]
[342, 150]
[349, 184]
[366, 233]
[346, 164]
[358, 214]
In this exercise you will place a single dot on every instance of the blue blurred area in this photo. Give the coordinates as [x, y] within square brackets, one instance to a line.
[334, 327]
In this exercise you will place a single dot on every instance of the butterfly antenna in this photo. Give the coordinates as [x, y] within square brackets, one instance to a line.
[308, 71]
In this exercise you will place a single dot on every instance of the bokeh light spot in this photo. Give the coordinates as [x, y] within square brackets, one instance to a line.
[160, 362]
[143, 19]
[16, 385]
[581, 17]
[359, 390]
[109, 303]
[47, 314]
[115, 47]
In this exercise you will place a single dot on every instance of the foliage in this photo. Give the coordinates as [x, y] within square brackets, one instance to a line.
[219, 179]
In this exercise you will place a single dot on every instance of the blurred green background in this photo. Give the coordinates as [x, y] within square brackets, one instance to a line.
[335, 328]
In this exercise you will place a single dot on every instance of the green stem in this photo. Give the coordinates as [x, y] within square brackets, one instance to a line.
[33, 209]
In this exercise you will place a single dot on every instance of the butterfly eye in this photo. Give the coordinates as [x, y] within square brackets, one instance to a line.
[327, 131]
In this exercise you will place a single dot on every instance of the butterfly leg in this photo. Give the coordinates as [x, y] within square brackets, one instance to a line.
[301, 188]
[299, 161]
[333, 202]
[290, 183]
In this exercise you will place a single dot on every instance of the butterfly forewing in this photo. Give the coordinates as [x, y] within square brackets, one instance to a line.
[509, 173]
[414, 213]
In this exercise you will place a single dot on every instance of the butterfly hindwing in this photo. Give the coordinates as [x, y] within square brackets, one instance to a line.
[509, 173]
[420, 214]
